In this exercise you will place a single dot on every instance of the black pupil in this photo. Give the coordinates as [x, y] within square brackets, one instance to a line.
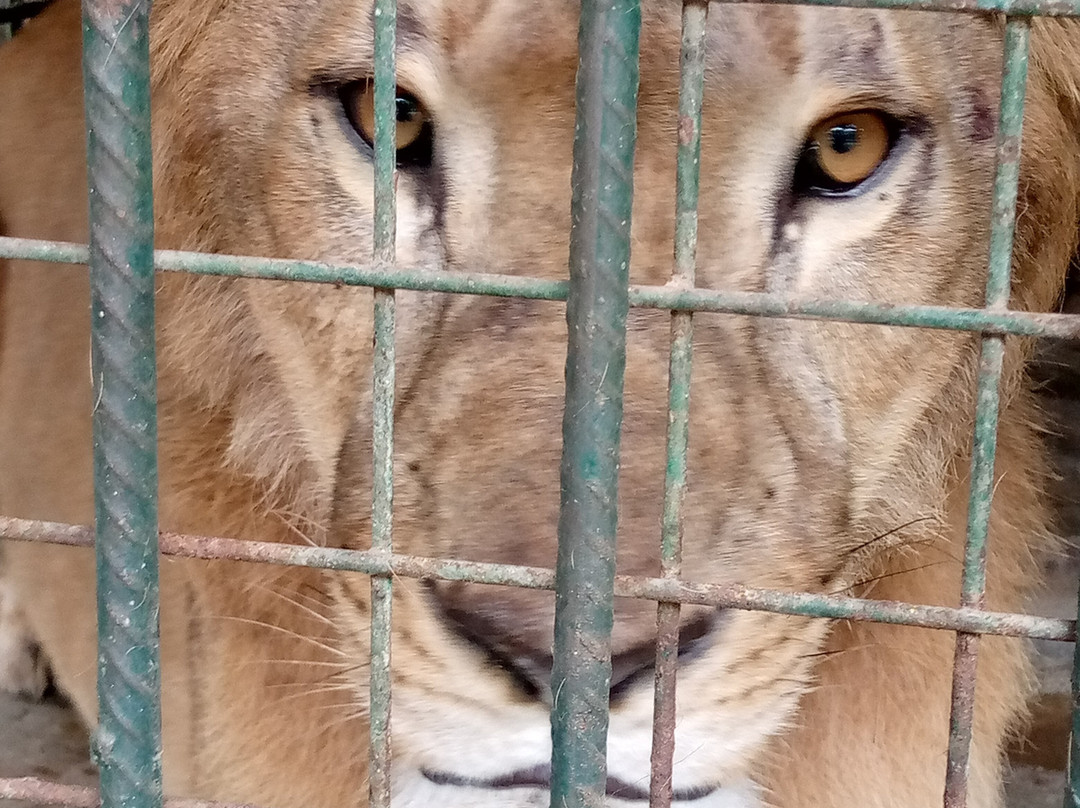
[843, 138]
[407, 109]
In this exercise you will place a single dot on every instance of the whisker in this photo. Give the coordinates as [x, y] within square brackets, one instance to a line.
[290, 518]
[342, 720]
[306, 609]
[283, 630]
[886, 575]
[320, 663]
[888, 533]
[281, 699]
[824, 654]
[320, 596]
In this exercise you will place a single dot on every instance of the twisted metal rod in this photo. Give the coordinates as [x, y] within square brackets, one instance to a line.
[127, 742]
[596, 310]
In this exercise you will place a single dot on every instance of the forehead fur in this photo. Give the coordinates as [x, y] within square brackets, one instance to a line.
[480, 38]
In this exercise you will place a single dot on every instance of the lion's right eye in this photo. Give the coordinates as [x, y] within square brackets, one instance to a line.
[415, 133]
[843, 151]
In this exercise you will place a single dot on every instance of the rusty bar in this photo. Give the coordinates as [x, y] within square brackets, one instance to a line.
[687, 175]
[44, 792]
[382, 514]
[727, 596]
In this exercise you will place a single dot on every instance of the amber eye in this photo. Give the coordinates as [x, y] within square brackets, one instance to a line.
[413, 137]
[844, 150]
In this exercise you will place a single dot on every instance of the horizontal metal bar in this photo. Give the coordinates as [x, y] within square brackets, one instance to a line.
[43, 792]
[1020, 323]
[726, 596]
[1013, 8]
[236, 266]
[1057, 326]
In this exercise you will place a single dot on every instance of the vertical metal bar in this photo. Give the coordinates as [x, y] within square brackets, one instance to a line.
[687, 175]
[1072, 785]
[604, 141]
[379, 778]
[973, 587]
[6, 29]
[116, 73]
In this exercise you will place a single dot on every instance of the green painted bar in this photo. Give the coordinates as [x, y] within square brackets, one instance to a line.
[1007, 178]
[385, 13]
[602, 185]
[1028, 324]
[116, 73]
[897, 314]
[973, 587]
[382, 516]
[724, 596]
[687, 176]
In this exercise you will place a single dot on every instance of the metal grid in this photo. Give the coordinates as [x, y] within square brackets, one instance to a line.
[122, 262]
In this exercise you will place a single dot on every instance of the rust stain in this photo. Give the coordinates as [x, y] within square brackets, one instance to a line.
[686, 130]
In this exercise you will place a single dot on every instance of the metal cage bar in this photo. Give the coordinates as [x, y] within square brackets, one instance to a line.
[116, 73]
[379, 779]
[725, 596]
[596, 308]
[713, 301]
[973, 586]
[6, 26]
[1072, 786]
[687, 174]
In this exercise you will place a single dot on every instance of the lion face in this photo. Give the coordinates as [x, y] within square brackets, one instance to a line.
[808, 440]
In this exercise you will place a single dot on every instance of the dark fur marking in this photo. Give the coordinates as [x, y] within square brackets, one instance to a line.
[982, 121]
[870, 48]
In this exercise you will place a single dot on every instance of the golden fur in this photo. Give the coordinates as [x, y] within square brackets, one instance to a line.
[811, 444]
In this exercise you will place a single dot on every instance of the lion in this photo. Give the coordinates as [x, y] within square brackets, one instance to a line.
[845, 154]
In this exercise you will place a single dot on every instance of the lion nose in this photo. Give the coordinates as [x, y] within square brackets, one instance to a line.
[513, 629]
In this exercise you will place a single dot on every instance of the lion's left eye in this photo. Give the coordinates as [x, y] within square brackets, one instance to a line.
[414, 134]
[843, 151]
